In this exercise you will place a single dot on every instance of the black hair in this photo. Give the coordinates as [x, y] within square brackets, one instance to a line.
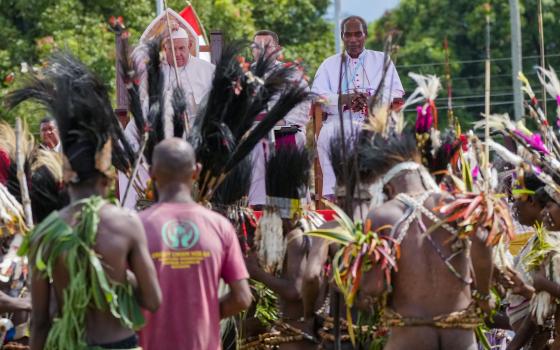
[47, 119]
[532, 182]
[377, 154]
[287, 172]
[268, 32]
[351, 18]
[339, 160]
[81, 106]
[541, 197]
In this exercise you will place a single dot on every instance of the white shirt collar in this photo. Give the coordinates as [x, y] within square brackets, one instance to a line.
[361, 55]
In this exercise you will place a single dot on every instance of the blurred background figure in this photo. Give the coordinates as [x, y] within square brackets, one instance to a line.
[48, 131]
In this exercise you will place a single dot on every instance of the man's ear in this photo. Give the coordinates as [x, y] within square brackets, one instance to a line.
[196, 172]
[104, 181]
[389, 191]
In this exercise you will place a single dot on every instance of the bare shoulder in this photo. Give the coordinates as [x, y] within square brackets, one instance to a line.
[318, 242]
[297, 240]
[120, 220]
[438, 199]
[387, 214]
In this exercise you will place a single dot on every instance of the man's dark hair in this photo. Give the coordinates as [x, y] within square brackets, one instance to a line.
[541, 197]
[268, 32]
[377, 155]
[47, 119]
[356, 18]
[532, 182]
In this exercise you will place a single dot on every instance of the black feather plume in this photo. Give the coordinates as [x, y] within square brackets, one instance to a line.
[130, 75]
[290, 98]
[80, 104]
[151, 121]
[224, 132]
[46, 194]
[236, 185]
[179, 105]
[287, 173]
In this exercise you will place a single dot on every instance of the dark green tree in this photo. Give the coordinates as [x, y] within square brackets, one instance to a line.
[424, 24]
[34, 28]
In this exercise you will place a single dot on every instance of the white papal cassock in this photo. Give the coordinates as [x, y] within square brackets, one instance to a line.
[361, 74]
[196, 79]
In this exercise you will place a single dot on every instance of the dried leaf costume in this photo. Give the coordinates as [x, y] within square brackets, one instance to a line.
[92, 142]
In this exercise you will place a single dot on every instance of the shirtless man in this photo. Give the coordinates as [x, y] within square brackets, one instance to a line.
[423, 287]
[315, 280]
[91, 258]
[121, 243]
[527, 329]
[289, 282]
[284, 275]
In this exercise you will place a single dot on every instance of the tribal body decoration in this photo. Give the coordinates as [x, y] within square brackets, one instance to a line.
[287, 176]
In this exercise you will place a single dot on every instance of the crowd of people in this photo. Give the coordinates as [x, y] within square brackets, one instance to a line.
[433, 238]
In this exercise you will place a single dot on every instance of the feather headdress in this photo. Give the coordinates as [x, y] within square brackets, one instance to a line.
[235, 185]
[427, 132]
[535, 111]
[92, 139]
[224, 132]
[287, 176]
[142, 70]
[549, 79]
[44, 172]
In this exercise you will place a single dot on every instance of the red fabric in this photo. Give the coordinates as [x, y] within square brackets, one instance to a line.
[328, 215]
[285, 141]
[260, 117]
[4, 166]
[188, 15]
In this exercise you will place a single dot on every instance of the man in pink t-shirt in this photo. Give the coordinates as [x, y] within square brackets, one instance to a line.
[192, 248]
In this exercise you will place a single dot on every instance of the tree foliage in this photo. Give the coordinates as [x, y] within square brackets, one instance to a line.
[33, 29]
[424, 24]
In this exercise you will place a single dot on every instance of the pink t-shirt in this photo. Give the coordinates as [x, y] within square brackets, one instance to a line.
[192, 247]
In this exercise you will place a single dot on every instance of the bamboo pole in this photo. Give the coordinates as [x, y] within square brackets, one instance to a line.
[22, 179]
[487, 103]
[541, 45]
[450, 116]
[175, 68]
[136, 166]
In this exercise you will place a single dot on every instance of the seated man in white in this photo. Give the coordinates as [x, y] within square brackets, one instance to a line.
[195, 77]
[361, 75]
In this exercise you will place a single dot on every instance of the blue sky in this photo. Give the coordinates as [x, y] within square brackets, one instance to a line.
[369, 9]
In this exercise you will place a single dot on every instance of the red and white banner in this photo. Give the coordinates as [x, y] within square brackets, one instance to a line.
[190, 16]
